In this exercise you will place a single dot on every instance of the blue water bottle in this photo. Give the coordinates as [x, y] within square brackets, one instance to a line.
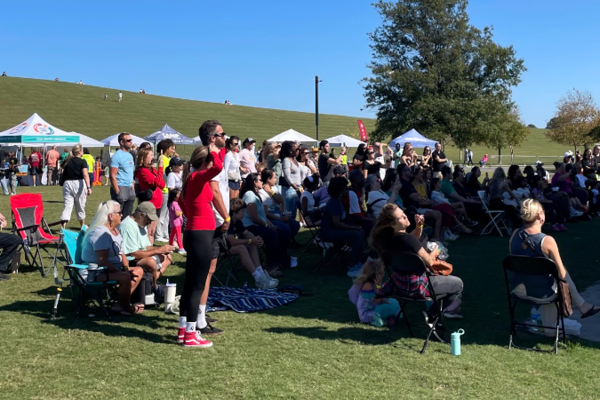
[455, 342]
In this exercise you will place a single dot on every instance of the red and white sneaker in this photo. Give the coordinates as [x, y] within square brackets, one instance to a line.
[180, 335]
[193, 339]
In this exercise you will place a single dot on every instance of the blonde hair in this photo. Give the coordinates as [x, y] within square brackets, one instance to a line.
[499, 174]
[530, 210]
[76, 150]
[369, 272]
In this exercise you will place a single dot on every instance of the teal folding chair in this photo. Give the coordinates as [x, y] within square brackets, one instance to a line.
[99, 295]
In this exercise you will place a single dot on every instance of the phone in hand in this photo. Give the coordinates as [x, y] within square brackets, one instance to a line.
[486, 175]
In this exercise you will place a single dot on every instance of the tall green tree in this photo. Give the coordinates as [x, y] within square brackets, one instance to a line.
[575, 119]
[433, 71]
[506, 131]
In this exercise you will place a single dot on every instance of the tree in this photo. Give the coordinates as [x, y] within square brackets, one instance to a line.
[433, 71]
[575, 118]
[532, 126]
[507, 131]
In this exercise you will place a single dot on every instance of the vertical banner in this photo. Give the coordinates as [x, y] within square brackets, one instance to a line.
[363, 131]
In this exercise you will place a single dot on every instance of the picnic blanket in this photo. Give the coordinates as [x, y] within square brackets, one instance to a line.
[246, 300]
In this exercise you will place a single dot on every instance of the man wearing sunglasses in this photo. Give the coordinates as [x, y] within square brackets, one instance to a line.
[121, 175]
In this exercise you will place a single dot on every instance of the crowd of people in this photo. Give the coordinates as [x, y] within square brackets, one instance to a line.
[229, 199]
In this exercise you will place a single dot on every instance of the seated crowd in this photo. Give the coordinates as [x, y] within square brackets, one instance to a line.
[234, 203]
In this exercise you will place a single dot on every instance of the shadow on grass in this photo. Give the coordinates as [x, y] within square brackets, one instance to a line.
[67, 320]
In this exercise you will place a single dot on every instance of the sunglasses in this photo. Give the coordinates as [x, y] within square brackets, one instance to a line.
[222, 135]
[128, 140]
[371, 152]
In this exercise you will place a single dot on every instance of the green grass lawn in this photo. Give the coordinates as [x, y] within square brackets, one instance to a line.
[312, 348]
[82, 109]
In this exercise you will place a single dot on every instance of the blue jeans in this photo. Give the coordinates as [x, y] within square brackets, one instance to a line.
[353, 238]
[288, 231]
[275, 245]
[291, 200]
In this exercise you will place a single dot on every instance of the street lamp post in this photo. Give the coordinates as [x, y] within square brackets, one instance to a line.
[317, 105]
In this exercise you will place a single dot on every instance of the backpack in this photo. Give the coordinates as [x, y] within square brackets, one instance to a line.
[370, 213]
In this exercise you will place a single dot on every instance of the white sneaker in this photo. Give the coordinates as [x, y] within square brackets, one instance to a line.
[449, 236]
[266, 282]
[182, 252]
[355, 271]
[293, 262]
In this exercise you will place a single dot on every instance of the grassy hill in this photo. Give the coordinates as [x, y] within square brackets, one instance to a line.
[82, 109]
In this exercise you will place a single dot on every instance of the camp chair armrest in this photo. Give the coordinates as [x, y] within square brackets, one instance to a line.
[25, 228]
[83, 266]
[52, 224]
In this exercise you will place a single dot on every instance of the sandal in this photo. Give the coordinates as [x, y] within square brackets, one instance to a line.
[592, 311]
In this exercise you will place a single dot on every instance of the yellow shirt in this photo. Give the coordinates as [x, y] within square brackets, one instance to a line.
[421, 190]
[166, 162]
[89, 159]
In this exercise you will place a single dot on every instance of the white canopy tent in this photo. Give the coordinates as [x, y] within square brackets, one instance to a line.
[87, 141]
[344, 140]
[113, 141]
[35, 132]
[293, 135]
[415, 138]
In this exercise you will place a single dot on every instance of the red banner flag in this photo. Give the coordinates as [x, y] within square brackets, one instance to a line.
[363, 131]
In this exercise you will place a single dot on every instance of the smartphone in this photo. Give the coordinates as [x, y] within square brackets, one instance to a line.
[486, 175]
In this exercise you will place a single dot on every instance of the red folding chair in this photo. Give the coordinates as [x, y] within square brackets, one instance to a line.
[29, 223]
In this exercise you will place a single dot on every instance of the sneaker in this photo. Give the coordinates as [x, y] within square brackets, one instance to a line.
[194, 339]
[469, 222]
[210, 330]
[450, 236]
[4, 277]
[182, 252]
[208, 319]
[274, 271]
[355, 271]
[562, 227]
[266, 282]
[180, 335]
[452, 315]
[293, 262]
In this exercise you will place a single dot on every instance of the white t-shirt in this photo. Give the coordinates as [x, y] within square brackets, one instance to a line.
[267, 200]
[224, 189]
[174, 180]
[377, 200]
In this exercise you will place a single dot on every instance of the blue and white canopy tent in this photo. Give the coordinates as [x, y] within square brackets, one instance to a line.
[166, 132]
[415, 138]
[35, 132]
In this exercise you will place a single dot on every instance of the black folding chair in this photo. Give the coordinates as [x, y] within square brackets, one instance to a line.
[226, 262]
[314, 231]
[542, 273]
[409, 264]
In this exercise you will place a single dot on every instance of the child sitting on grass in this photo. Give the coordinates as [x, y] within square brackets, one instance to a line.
[377, 312]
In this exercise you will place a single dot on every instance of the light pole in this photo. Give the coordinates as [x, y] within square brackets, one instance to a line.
[317, 105]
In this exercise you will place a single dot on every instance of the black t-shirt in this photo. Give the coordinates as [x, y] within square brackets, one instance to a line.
[237, 229]
[324, 167]
[460, 189]
[3, 155]
[405, 192]
[73, 171]
[437, 166]
[400, 242]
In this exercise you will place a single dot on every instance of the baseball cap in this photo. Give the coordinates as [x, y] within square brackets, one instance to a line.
[314, 150]
[538, 163]
[339, 170]
[248, 140]
[176, 161]
[147, 208]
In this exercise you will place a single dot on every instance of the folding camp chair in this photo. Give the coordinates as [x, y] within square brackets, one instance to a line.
[29, 223]
[99, 295]
[314, 230]
[496, 216]
[523, 270]
[409, 264]
[226, 261]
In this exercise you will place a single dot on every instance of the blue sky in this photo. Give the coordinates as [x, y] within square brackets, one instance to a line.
[266, 53]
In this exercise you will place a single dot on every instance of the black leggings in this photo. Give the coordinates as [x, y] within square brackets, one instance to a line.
[198, 245]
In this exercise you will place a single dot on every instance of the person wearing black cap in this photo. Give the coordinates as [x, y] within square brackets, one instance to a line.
[247, 157]
[174, 173]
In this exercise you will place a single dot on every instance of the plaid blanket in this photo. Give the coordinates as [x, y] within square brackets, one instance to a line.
[246, 299]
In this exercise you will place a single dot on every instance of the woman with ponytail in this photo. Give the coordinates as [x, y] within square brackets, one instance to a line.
[196, 197]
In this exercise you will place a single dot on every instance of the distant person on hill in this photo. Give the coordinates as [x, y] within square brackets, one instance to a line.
[470, 162]
[105, 96]
[52, 157]
[120, 96]
[56, 79]
[121, 175]
[4, 73]
[35, 166]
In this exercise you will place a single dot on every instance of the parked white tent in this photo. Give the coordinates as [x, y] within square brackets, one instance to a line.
[35, 132]
[340, 140]
[86, 141]
[113, 141]
[294, 135]
[415, 138]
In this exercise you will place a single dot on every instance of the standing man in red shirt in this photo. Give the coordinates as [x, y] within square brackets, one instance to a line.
[35, 166]
[51, 159]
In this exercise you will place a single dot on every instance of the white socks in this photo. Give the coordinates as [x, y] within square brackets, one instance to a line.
[190, 327]
[258, 273]
[201, 323]
[182, 322]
